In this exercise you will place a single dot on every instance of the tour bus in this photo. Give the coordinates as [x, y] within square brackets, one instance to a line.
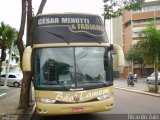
[71, 62]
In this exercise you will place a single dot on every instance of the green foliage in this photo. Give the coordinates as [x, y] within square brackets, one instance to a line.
[150, 47]
[150, 43]
[7, 35]
[1, 69]
[151, 88]
[134, 54]
[115, 8]
[133, 4]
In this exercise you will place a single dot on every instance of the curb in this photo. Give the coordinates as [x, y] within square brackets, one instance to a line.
[138, 91]
[32, 112]
[27, 115]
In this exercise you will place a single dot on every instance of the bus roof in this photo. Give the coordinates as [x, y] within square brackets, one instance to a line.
[69, 28]
[69, 13]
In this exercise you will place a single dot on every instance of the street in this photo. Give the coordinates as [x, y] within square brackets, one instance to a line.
[130, 102]
[125, 103]
[9, 90]
[9, 102]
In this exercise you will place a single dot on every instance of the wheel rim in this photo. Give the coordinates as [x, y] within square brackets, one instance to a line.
[16, 84]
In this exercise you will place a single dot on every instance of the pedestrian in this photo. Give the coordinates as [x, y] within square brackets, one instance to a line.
[130, 79]
[135, 77]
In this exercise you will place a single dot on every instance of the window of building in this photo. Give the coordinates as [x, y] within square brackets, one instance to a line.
[127, 24]
[135, 34]
[158, 20]
[157, 7]
[143, 21]
[147, 9]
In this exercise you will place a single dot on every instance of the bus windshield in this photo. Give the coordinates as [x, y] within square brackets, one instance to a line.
[71, 66]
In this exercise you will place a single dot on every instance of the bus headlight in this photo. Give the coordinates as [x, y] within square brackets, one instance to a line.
[104, 97]
[47, 101]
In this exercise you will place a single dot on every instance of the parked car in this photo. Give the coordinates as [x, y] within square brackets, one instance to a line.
[151, 79]
[14, 79]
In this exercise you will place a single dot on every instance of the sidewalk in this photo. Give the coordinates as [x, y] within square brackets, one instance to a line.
[140, 87]
[9, 106]
[9, 100]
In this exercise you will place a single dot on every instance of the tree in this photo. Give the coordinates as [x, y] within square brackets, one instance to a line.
[150, 47]
[115, 8]
[8, 36]
[3, 47]
[134, 55]
[27, 76]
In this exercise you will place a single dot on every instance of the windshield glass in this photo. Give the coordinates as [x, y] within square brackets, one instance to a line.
[71, 66]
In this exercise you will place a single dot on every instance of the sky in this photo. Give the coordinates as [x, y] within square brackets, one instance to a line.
[10, 10]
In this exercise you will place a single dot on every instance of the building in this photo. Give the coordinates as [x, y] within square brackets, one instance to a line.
[132, 22]
[14, 63]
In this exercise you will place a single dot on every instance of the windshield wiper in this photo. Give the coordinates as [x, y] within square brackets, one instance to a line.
[56, 84]
[104, 83]
[89, 37]
[84, 55]
[50, 83]
[65, 87]
[57, 35]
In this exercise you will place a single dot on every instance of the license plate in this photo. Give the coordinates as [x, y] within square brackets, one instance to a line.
[77, 109]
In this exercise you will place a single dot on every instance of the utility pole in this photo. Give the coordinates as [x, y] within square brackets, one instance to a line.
[110, 29]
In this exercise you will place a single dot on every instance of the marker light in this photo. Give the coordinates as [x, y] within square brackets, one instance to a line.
[47, 101]
[104, 97]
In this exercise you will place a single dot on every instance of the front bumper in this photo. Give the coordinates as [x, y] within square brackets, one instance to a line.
[78, 108]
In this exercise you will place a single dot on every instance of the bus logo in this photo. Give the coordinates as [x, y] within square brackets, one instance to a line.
[76, 98]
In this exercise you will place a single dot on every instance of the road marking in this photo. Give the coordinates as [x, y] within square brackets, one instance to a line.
[2, 94]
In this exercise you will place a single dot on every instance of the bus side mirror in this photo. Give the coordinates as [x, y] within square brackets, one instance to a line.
[26, 60]
[120, 55]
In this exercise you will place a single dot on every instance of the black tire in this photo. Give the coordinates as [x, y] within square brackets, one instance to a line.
[147, 82]
[16, 84]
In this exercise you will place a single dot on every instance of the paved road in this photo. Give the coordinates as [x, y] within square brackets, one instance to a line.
[7, 91]
[130, 102]
[140, 85]
[9, 102]
[125, 103]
